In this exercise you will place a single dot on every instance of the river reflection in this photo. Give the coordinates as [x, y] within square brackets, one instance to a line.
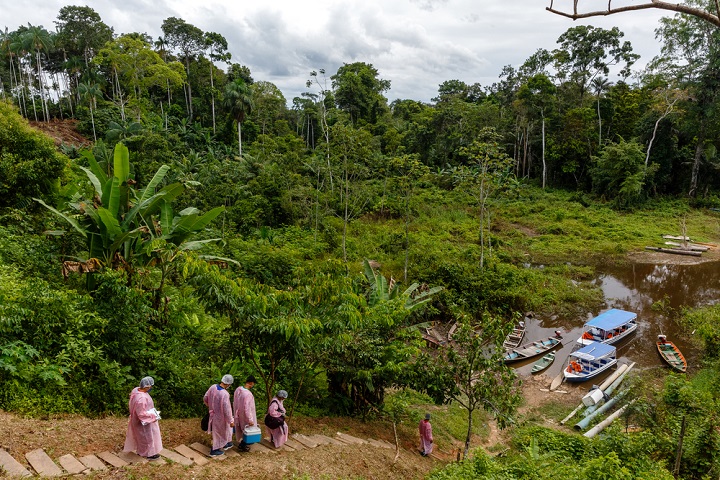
[636, 288]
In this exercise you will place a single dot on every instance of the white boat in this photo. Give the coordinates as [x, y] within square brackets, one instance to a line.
[609, 327]
[515, 337]
[589, 362]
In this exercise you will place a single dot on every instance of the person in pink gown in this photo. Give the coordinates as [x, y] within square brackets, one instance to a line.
[278, 435]
[221, 420]
[426, 437]
[143, 432]
[244, 410]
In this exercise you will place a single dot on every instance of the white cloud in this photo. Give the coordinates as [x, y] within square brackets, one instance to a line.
[416, 44]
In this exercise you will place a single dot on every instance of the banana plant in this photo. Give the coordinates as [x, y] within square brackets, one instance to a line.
[381, 290]
[121, 222]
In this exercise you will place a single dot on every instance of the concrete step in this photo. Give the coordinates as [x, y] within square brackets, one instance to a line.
[112, 459]
[349, 439]
[176, 457]
[43, 464]
[309, 443]
[265, 442]
[12, 467]
[132, 457]
[324, 440]
[291, 442]
[205, 450]
[92, 462]
[193, 455]
[71, 464]
[379, 444]
[260, 448]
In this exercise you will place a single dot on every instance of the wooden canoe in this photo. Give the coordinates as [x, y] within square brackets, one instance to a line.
[672, 355]
[543, 363]
[515, 337]
[532, 349]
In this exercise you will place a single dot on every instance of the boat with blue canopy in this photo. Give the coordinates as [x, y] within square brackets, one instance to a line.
[589, 362]
[609, 327]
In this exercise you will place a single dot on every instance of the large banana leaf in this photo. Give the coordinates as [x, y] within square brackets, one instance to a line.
[197, 244]
[94, 180]
[153, 203]
[121, 163]
[95, 168]
[67, 218]
[111, 225]
[157, 178]
[113, 197]
[192, 223]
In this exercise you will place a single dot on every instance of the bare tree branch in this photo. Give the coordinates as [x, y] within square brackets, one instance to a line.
[658, 4]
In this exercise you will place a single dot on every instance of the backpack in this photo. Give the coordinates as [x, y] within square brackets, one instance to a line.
[274, 422]
[204, 422]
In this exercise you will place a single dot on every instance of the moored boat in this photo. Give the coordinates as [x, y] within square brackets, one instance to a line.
[532, 349]
[543, 363]
[515, 337]
[609, 327]
[671, 354]
[589, 362]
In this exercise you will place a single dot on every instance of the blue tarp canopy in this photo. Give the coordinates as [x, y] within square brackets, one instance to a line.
[593, 351]
[613, 318]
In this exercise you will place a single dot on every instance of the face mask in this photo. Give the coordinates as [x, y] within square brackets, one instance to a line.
[150, 390]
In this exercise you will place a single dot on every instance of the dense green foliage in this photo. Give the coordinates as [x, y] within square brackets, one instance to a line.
[486, 202]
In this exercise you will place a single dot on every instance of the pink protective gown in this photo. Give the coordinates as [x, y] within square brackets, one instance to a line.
[244, 409]
[278, 436]
[217, 400]
[145, 439]
[426, 438]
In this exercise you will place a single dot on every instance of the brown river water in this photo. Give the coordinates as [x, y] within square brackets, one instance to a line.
[636, 287]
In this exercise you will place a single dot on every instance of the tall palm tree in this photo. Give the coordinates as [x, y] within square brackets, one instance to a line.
[600, 85]
[90, 91]
[39, 39]
[239, 102]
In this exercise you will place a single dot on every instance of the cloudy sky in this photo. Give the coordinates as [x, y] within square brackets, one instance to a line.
[416, 44]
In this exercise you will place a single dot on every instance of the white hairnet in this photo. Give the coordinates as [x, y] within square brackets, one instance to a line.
[282, 394]
[228, 379]
[147, 382]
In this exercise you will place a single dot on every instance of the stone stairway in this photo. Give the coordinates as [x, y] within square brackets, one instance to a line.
[40, 463]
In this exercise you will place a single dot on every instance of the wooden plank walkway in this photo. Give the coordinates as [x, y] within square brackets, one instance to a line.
[309, 443]
[193, 455]
[112, 459]
[92, 462]
[43, 464]
[176, 457]
[260, 448]
[12, 467]
[71, 464]
[344, 437]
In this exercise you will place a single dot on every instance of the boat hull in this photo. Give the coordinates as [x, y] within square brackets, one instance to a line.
[584, 375]
[543, 363]
[533, 350]
[610, 341]
[672, 356]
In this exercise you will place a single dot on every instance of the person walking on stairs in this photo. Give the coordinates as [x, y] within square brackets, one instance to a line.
[275, 423]
[244, 410]
[143, 432]
[426, 437]
[221, 419]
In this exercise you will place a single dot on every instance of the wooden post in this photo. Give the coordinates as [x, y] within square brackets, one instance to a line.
[678, 454]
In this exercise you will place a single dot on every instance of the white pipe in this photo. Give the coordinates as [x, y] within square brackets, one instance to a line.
[609, 390]
[612, 377]
[605, 423]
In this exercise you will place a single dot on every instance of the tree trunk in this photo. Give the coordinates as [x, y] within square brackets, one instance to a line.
[544, 171]
[469, 432]
[699, 151]
[678, 452]
[212, 95]
[240, 137]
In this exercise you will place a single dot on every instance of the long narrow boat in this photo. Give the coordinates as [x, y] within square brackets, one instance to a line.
[609, 327]
[671, 354]
[515, 337]
[543, 363]
[589, 362]
[532, 349]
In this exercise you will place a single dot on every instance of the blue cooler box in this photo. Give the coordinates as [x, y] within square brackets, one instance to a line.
[252, 435]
